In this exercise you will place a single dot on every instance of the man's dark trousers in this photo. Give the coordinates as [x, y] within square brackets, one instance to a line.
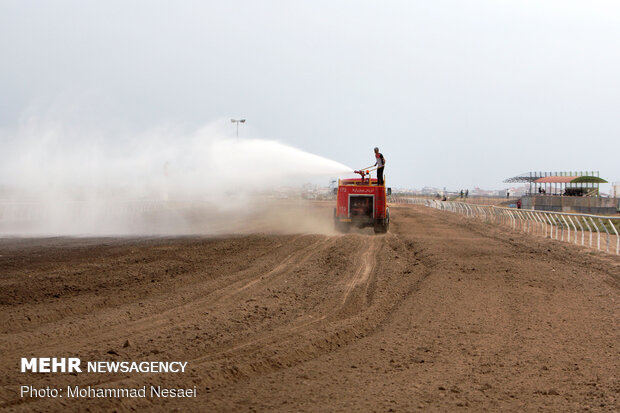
[380, 176]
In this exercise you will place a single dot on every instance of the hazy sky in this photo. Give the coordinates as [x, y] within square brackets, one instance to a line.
[455, 93]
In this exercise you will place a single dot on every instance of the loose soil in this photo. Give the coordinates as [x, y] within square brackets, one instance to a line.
[443, 313]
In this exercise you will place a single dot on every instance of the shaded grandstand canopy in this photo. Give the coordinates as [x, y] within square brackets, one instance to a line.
[563, 177]
[560, 183]
[588, 180]
[570, 180]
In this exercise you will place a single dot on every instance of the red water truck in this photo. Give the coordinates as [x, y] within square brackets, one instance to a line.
[361, 202]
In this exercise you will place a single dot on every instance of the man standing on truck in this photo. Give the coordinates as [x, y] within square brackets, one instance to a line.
[380, 164]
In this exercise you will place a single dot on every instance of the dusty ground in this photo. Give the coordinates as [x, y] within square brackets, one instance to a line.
[440, 314]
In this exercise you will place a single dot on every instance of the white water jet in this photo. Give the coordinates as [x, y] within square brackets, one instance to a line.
[56, 179]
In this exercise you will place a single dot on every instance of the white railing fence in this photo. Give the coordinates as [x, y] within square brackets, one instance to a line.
[582, 229]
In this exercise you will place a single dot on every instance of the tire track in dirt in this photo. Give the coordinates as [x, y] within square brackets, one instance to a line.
[97, 336]
[226, 297]
[484, 327]
[368, 261]
[361, 277]
[287, 337]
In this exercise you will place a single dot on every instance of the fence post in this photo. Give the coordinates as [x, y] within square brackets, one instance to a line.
[551, 224]
[598, 234]
[585, 220]
[583, 235]
[548, 226]
[537, 228]
[543, 218]
[513, 221]
[571, 221]
[533, 222]
[542, 223]
[605, 228]
[516, 216]
[530, 227]
[617, 237]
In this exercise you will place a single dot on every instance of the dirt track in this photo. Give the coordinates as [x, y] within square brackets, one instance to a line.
[442, 313]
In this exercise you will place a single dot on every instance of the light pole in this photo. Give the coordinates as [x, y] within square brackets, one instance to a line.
[237, 121]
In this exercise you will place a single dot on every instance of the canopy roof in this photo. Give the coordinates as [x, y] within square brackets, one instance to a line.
[570, 180]
[524, 177]
[589, 180]
[587, 177]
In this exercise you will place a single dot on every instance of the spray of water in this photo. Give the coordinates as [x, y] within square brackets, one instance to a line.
[56, 179]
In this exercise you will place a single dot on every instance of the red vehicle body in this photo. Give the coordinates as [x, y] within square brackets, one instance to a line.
[361, 203]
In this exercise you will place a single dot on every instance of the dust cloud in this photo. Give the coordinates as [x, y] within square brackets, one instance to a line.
[57, 178]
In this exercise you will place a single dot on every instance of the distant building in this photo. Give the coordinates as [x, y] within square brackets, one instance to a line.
[429, 190]
[615, 190]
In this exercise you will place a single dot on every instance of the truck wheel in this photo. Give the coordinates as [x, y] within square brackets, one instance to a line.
[383, 226]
